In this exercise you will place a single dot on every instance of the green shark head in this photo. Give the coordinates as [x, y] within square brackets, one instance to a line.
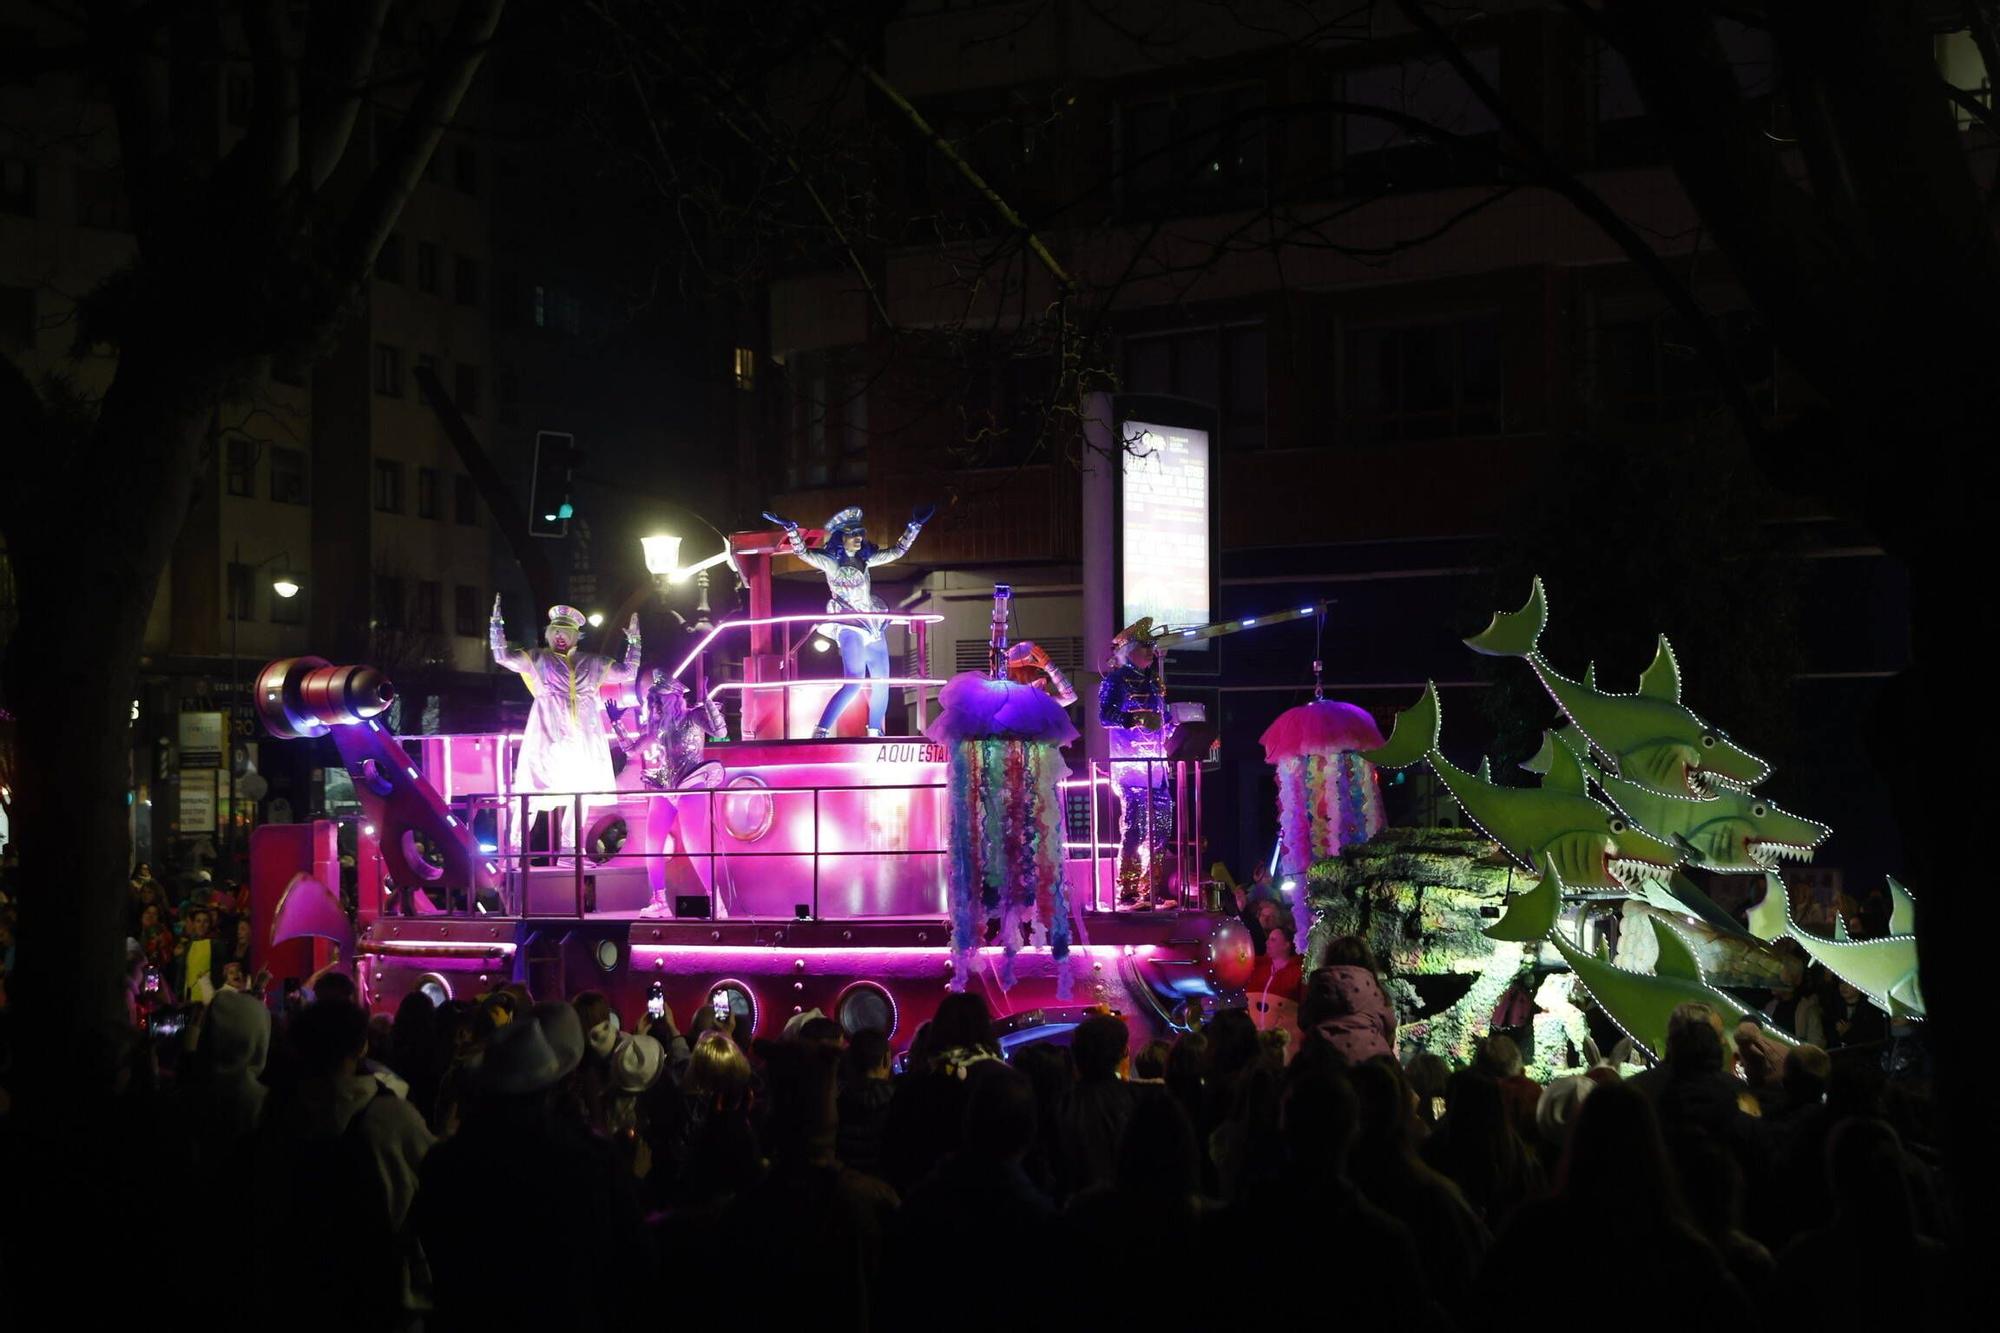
[1555, 825]
[1649, 737]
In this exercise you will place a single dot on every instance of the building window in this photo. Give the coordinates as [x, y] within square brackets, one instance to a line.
[465, 616]
[1424, 381]
[17, 319]
[746, 368]
[1204, 149]
[1646, 368]
[541, 307]
[1225, 366]
[242, 606]
[465, 281]
[288, 475]
[465, 169]
[388, 602]
[240, 470]
[427, 493]
[466, 393]
[388, 486]
[465, 501]
[389, 259]
[427, 267]
[17, 186]
[388, 371]
[425, 361]
[100, 199]
[1375, 154]
[425, 614]
[827, 435]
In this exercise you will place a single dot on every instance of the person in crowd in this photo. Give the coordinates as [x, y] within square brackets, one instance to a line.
[1692, 1089]
[927, 1111]
[1617, 1209]
[1155, 1191]
[1150, 1064]
[1869, 1263]
[709, 1148]
[1096, 1111]
[1477, 1146]
[1853, 1020]
[412, 1049]
[1555, 1117]
[217, 1105]
[1428, 1075]
[1050, 1069]
[570, 1202]
[1499, 1058]
[865, 1093]
[1712, 1184]
[1386, 1167]
[1345, 1006]
[980, 1202]
[1187, 1073]
[339, 1162]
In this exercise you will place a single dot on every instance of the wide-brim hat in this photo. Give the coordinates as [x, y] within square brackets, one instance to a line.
[567, 615]
[847, 520]
[564, 1030]
[518, 1060]
[636, 1062]
[1138, 631]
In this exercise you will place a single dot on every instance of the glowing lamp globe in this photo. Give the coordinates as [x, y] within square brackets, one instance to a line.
[1231, 954]
[663, 554]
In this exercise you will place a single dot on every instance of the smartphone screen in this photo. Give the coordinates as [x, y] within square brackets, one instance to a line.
[719, 1003]
[656, 1004]
[152, 980]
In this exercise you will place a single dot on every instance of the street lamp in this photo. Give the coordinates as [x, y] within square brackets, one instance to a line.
[286, 585]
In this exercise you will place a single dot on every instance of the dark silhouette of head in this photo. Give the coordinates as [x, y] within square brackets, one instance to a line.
[1099, 1045]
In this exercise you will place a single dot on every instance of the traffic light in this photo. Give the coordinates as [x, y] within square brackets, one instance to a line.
[550, 506]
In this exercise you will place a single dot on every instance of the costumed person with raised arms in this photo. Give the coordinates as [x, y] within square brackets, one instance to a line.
[669, 740]
[1132, 705]
[567, 744]
[846, 559]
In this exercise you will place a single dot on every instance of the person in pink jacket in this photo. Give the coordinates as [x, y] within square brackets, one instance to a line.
[1345, 1004]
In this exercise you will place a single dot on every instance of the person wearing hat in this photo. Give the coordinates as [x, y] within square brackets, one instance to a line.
[1132, 703]
[669, 740]
[846, 558]
[567, 744]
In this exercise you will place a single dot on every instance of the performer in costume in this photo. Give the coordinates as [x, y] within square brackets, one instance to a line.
[567, 745]
[669, 742]
[846, 559]
[1028, 664]
[1132, 705]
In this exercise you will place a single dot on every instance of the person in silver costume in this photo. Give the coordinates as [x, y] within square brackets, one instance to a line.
[669, 745]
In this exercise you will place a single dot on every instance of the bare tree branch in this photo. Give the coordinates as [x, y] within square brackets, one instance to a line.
[341, 42]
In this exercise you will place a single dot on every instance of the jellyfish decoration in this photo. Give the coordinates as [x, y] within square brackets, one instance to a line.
[1329, 797]
[1004, 745]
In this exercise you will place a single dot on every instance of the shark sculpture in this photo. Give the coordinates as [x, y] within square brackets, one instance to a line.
[1586, 842]
[1641, 1005]
[1650, 737]
[1884, 969]
[1730, 832]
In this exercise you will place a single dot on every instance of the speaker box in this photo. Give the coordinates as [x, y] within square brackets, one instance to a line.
[697, 906]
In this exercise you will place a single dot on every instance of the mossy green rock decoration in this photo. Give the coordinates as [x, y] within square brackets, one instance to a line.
[1416, 894]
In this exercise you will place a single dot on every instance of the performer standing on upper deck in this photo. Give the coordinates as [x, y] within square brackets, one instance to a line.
[846, 559]
[567, 744]
[1132, 705]
[669, 742]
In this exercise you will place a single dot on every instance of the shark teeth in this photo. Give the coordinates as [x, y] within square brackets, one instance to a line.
[1772, 852]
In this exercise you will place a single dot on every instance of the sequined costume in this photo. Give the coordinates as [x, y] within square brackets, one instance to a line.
[567, 744]
[1144, 800]
[864, 647]
[669, 745]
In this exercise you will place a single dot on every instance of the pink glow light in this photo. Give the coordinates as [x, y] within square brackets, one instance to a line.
[817, 618]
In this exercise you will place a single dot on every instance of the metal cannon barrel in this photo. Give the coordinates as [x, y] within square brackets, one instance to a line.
[309, 696]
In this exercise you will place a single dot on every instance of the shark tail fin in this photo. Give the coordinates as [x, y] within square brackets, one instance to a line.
[1906, 1000]
[1531, 917]
[1902, 910]
[1414, 736]
[1676, 956]
[1514, 633]
[1541, 760]
[1771, 919]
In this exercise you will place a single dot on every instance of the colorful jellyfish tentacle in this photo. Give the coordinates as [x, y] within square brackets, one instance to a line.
[961, 769]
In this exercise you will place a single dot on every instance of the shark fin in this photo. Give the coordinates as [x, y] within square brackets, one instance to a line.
[1906, 1001]
[1414, 735]
[1771, 919]
[1590, 676]
[1902, 909]
[1531, 916]
[1565, 773]
[1676, 957]
[1540, 760]
[1514, 633]
[1486, 769]
[1662, 680]
[1839, 927]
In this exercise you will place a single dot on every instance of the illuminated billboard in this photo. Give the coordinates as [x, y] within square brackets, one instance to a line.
[1163, 526]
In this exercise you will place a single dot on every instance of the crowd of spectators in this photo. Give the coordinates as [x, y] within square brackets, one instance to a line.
[515, 1162]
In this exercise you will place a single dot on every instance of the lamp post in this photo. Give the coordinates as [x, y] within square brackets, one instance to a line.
[287, 587]
[663, 562]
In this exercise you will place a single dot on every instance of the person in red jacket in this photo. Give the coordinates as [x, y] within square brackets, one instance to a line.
[1344, 1003]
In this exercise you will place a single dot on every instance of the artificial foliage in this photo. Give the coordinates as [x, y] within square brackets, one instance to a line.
[1417, 896]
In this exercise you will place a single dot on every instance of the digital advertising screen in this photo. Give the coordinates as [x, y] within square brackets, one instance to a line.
[1165, 496]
